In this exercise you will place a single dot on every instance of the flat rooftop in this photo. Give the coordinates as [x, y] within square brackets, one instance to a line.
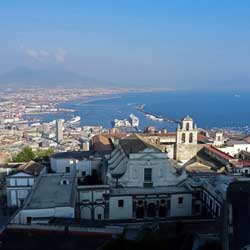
[50, 192]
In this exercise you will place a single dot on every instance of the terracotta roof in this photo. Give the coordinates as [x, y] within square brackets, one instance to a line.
[115, 135]
[203, 138]
[101, 143]
[219, 152]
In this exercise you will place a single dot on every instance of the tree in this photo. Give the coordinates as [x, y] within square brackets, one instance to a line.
[43, 155]
[28, 155]
[25, 155]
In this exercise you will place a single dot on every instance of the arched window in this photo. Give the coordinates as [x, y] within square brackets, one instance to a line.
[187, 126]
[219, 138]
[183, 137]
[190, 137]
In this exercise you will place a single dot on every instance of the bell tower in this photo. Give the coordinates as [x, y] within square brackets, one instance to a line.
[186, 140]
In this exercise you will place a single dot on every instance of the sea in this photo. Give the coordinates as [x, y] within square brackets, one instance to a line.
[225, 110]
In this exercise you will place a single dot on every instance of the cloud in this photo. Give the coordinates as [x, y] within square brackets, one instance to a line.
[58, 56]
[38, 55]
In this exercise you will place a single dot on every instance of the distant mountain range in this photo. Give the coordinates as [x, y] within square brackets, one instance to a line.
[45, 77]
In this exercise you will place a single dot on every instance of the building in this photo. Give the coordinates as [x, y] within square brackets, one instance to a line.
[141, 183]
[79, 163]
[134, 121]
[92, 202]
[59, 130]
[53, 196]
[186, 140]
[233, 147]
[137, 163]
[121, 123]
[20, 182]
[219, 140]
[240, 167]
[104, 202]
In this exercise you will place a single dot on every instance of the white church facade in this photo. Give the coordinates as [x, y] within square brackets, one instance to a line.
[142, 183]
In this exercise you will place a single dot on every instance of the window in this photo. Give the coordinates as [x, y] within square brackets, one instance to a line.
[120, 203]
[205, 198]
[180, 200]
[217, 210]
[29, 219]
[210, 203]
[187, 126]
[83, 173]
[64, 182]
[246, 171]
[67, 169]
[148, 174]
[140, 202]
[198, 194]
[183, 137]
[99, 216]
[190, 137]
[94, 172]
[197, 208]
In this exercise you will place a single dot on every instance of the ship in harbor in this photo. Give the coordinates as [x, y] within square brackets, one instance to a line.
[154, 118]
[75, 119]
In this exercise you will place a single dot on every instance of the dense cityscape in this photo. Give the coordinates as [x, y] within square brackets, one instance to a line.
[104, 182]
[124, 125]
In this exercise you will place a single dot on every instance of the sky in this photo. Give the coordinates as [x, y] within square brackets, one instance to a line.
[176, 44]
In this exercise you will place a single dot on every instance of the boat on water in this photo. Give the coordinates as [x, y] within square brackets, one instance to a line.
[154, 118]
[75, 119]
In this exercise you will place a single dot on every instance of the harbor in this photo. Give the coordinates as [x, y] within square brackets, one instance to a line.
[155, 117]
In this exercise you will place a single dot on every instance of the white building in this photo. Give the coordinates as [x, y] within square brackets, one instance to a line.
[142, 184]
[233, 147]
[134, 121]
[135, 163]
[59, 130]
[20, 182]
[80, 163]
[92, 202]
[121, 123]
[53, 196]
[219, 139]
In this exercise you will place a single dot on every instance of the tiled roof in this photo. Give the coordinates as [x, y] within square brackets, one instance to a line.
[31, 167]
[101, 143]
[133, 144]
[219, 152]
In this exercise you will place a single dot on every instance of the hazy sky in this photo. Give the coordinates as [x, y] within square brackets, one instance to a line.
[170, 43]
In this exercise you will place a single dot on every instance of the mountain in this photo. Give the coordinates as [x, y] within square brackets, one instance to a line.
[44, 77]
